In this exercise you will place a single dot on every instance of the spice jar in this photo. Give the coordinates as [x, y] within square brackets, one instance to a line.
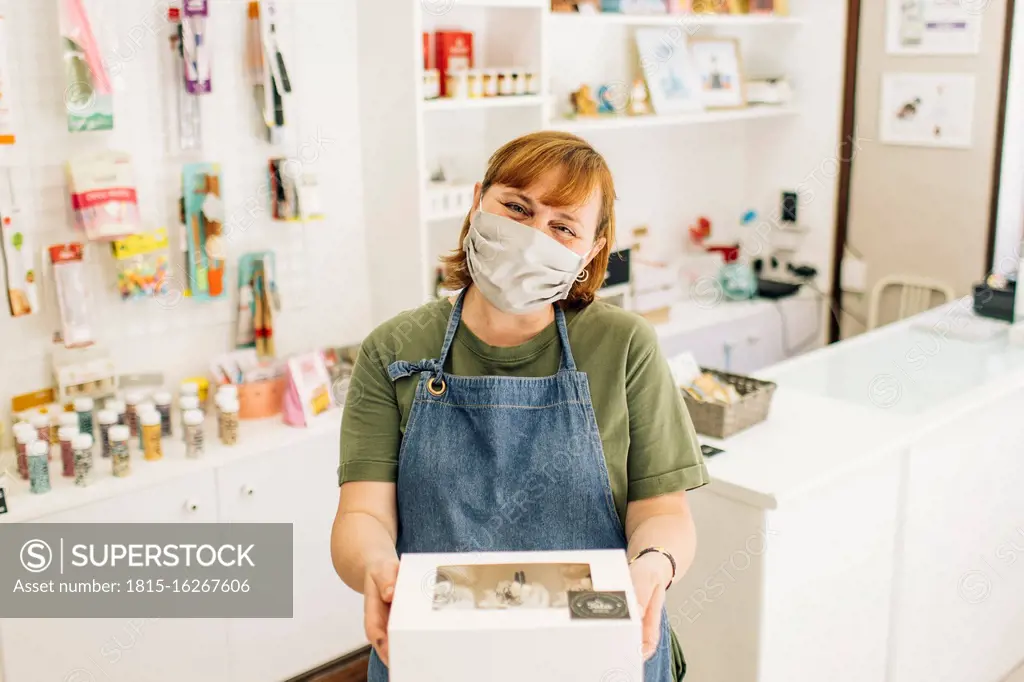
[474, 84]
[194, 445]
[120, 409]
[131, 403]
[119, 456]
[106, 420]
[229, 421]
[66, 434]
[186, 404]
[151, 431]
[162, 400]
[532, 83]
[457, 84]
[24, 437]
[506, 82]
[39, 467]
[519, 81]
[490, 81]
[82, 447]
[41, 423]
[84, 408]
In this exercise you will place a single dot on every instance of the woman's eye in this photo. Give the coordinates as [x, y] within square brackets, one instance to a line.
[565, 230]
[515, 208]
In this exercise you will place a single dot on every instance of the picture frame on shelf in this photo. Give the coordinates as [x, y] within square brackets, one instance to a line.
[668, 68]
[719, 69]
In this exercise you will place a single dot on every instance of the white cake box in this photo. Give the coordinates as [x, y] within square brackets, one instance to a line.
[506, 617]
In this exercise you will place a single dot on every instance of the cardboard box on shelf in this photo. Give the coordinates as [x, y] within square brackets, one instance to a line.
[513, 616]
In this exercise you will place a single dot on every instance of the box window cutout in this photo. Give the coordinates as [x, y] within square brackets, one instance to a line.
[509, 586]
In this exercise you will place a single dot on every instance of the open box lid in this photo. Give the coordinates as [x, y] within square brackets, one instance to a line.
[422, 600]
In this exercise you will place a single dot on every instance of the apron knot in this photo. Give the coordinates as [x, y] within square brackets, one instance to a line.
[402, 368]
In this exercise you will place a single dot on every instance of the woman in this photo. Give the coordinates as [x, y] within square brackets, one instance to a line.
[543, 419]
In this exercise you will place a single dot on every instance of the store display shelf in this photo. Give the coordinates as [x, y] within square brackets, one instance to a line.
[696, 21]
[462, 104]
[583, 125]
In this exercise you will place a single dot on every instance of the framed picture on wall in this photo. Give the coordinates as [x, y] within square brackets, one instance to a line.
[927, 109]
[720, 71]
[669, 71]
[932, 27]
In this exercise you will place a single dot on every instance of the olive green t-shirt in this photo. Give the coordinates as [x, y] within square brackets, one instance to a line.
[649, 443]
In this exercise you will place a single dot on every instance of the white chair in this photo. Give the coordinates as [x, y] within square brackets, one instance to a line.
[916, 294]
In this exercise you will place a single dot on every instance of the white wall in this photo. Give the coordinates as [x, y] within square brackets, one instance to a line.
[1010, 212]
[322, 265]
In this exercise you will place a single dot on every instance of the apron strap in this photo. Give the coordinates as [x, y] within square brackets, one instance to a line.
[567, 364]
[449, 335]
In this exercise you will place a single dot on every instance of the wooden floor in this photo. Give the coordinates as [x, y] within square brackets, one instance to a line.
[351, 669]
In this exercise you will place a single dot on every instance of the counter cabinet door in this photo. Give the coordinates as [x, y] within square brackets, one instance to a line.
[297, 486]
[123, 649]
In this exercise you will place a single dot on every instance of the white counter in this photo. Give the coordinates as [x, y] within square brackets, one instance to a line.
[869, 529]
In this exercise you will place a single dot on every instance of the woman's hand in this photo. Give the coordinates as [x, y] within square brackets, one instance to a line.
[651, 574]
[378, 591]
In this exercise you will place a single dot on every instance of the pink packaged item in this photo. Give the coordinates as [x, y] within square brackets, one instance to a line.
[308, 393]
[103, 195]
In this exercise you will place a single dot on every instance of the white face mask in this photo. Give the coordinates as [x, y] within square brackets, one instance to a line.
[518, 269]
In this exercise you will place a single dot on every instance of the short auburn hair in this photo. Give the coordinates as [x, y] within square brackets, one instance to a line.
[519, 164]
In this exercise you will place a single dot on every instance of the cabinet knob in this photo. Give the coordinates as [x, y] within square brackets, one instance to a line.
[248, 491]
[192, 506]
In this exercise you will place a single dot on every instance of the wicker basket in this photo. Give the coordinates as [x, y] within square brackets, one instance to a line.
[721, 421]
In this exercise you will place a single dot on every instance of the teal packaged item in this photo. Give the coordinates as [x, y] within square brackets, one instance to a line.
[738, 280]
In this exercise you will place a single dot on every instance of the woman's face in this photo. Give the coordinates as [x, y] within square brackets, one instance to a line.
[575, 227]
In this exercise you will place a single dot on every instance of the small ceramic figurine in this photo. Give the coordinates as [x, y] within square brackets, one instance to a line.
[638, 101]
[606, 96]
[583, 102]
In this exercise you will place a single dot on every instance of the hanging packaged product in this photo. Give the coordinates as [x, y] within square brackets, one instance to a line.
[88, 95]
[19, 261]
[294, 195]
[204, 223]
[142, 262]
[195, 43]
[186, 114]
[270, 69]
[73, 296]
[6, 116]
[103, 195]
[257, 301]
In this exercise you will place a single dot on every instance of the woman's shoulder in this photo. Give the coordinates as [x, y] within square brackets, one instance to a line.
[617, 325]
[410, 335]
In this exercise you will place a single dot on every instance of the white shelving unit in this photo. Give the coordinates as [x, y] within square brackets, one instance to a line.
[668, 169]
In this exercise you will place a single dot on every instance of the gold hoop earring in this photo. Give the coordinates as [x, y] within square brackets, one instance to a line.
[582, 277]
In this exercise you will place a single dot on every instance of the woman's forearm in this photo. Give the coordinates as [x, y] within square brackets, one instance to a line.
[663, 522]
[674, 533]
[358, 541]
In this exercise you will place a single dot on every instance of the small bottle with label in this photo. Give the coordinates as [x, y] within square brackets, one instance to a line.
[229, 420]
[120, 457]
[82, 447]
[186, 404]
[194, 443]
[41, 423]
[131, 403]
[225, 392]
[39, 467]
[66, 435]
[151, 432]
[119, 408]
[141, 409]
[24, 437]
[84, 408]
[162, 400]
[106, 419]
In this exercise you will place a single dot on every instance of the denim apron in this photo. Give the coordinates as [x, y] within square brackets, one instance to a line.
[497, 463]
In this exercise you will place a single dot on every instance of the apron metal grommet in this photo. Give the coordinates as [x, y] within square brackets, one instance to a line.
[438, 390]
